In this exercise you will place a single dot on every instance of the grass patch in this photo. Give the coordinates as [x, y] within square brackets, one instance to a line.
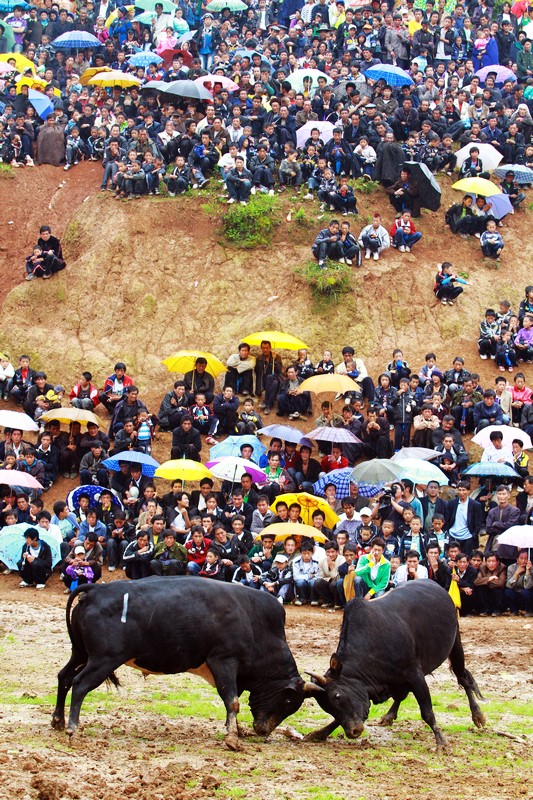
[73, 233]
[6, 171]
[248, 226]
[329, 283]
[304, 219]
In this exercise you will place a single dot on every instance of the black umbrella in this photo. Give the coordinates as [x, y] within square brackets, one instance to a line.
[188, 89]
[429, 189]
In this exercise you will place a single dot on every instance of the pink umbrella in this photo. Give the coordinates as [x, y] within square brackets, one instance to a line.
[4, 67]
[231, 468]
[339, 435]
[15, 477]
[209, 82]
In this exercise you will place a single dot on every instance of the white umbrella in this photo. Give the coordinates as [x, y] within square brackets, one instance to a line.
[15, 477]
[423, 453]
[232, 468]
[304, 133]
[296, 80]
[520, 536]
[487, 153]
[17, 419]
[420, 471]
[483, 437]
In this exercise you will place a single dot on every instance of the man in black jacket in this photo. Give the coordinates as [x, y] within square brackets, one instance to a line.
[432, 504]
[437, 569]
[464, 518]
[268, 367]
[35, 565]
[21, 381]
[186, 442]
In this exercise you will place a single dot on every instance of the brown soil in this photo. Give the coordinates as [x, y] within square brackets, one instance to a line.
[130, 752]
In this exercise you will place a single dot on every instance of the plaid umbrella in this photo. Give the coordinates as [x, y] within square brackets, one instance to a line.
[521, 174]
[394, 76]
[370, 489]
[340, 478]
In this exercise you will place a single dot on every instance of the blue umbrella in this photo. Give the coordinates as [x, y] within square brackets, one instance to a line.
[370, 489]
[41, 103]
[73, 40]
[144, 59]
[501, 205]
[287, 433]
[231, 446]
[8, 5]
[340, 478]
[93, 490]
[521, 174]
[12, 541]
[491, 469]
[393, 75]
[148, 464]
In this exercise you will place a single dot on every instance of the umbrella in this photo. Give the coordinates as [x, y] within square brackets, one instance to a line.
[112, 17]
[339, 435]
[340, 478]
[296, 80]
[145, 18]
[144, 59]
[12, 541]
[149, 5]
[94, 491]
[240, 52]
[91, 72]
[148, 464]
[188, 89]
[15, 477]
[521, 174]
[420, 471]
[500, 204]
[184, 360]
[232, 468]
[304, 133]
[8, 5]
[487, 153]
[5, 68]
[169, 53]
[155, 86]
[340, 384]
[114, 78]
[428, 187]
[278, 340]
[21, 62]
[378, 470]
[220, 5]
[520, 536]
[309, 504]
[186, 37]
[231, 446]
[34, 83]
[423, 453]
[509, 434]
[282, 531]
[288, 433]
[78, 40]
[227, 83]
[16, 419]
[41, 103]
[491, 469]
[184, 469]
[68, 415]
[393, 75]
[477, 186]
[502, 73]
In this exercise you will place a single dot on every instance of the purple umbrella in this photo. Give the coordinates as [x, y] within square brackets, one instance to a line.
[287, 433]
[502, 73]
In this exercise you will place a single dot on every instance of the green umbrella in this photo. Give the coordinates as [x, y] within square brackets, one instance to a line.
[145, 18]
[149, 5]
[220, 5]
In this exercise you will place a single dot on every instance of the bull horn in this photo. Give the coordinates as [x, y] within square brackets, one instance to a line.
[319, 680]
[312, 688]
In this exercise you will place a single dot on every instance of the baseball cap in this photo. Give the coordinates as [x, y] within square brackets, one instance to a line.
[281, 558]
[365, 512]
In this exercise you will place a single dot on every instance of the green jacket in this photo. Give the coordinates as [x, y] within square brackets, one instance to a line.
[363, 570]
[177, 552]
[524, 61]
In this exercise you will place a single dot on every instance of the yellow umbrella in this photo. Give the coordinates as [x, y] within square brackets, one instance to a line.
[112, 17]
[114, 78]
[68, 415]
[21, 62]
[309, 504]
[477, 186]
[184, 469]
[278, 340]
[328, 383]
[35, 83]
[184, 360]
[282, 531]
[91, 72]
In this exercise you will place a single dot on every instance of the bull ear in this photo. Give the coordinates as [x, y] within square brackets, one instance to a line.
[335, 665]
[318, 680]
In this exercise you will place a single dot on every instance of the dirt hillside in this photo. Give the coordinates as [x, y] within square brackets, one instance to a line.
[147, 277]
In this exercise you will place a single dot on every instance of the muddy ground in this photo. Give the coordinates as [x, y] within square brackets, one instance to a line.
[161, 739]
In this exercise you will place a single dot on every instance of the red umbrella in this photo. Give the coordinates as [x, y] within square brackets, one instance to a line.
[210, 81]
[170, 53]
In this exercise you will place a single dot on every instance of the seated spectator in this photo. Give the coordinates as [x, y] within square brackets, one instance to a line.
[523, 341]
[491, 241]
[292, 401]
[226, 410]
[239, 182]
[247, 573]
[35, 565]
[489, 586]
[511, 189]
[518, 592]
[178, 181]
[186, 442]
[240, 374]
[487, 412]
[305, 570]
[76, 571]
[84, 394]
[197, 547]
[120, 534]
[173, 406]
[403, 233]
[444, 287]
[169, 557]
[91, 468]
[374, 238]
[115, 387]
[404, 194]
[213, 567]
[327, 244]
[137, 557]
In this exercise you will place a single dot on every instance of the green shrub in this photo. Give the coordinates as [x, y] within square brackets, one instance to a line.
[303, 219]
[252, 225]
[365, 185]
[330, 282]
[6, 171]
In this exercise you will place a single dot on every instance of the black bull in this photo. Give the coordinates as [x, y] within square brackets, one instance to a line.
[231, 636]
[385, 649]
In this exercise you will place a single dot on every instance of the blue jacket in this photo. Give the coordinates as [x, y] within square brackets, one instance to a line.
[494, 414]
[100, 530]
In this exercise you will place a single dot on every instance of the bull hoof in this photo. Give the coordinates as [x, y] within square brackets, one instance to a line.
[444, 747]
[231, 740]
[58, 723]
[315, 736]
[386, 720]
[71, 732]
[479, 720]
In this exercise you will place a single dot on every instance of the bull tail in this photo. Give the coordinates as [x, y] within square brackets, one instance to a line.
[473, 684]
[112, 680]
[80, 590]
